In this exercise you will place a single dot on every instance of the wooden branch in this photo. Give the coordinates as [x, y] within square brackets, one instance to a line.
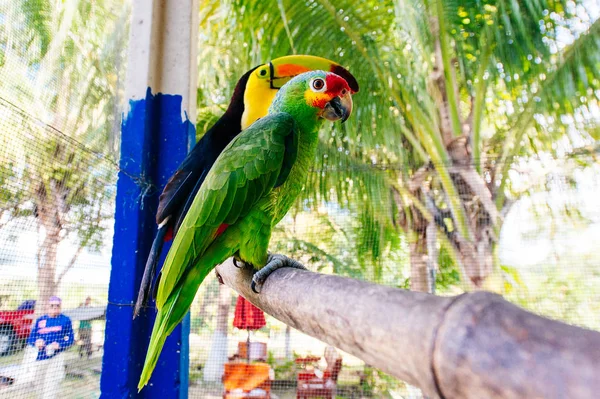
[475, 345]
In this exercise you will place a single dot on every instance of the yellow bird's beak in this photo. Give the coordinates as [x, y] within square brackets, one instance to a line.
[282, 69]
[266, 79]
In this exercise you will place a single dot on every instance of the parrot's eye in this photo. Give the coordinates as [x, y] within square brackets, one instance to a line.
[318, 84]
[263, 72]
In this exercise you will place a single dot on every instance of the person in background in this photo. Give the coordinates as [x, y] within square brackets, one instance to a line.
[85, 333]
[52, 334]
[330, 356]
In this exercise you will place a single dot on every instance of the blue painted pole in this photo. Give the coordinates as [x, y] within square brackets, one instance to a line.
[156, 134]
[154, 142]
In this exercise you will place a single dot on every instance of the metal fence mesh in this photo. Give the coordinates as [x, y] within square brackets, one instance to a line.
[59, 95]
[60, 102]
[544, 263]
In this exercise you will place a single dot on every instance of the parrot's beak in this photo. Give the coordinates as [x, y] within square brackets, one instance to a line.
[338, 108]
[285, 68]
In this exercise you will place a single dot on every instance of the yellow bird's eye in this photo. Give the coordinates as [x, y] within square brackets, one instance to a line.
[318, 85]
[263, 72]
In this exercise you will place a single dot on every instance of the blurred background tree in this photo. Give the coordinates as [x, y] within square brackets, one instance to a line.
[456, 98]
[61, 84]
[453, 95]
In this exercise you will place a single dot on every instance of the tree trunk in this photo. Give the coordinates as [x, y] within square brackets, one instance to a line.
[476, 256]
[475, 253]
[414, 224]
[51, 200]
[46, 273]
[207, 299]
[432, 252]
[418, 264]
[48, 209]
[213, 370]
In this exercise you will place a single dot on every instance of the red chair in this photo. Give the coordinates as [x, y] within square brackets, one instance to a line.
[311, 386]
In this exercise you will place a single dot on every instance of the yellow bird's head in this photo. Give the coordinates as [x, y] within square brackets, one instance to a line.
[264, 81]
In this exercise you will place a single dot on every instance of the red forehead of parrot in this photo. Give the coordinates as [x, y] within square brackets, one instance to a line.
[295, 69]
[322, 91]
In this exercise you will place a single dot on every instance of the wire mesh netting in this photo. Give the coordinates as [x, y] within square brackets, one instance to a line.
[59, 95]
[549, 270]
[524, 224]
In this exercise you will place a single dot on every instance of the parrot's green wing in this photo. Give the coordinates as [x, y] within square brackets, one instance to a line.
[255, 162]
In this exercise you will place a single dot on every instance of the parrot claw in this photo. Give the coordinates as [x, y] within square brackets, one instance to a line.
[274, 262]
[238, 263]
[255, 289]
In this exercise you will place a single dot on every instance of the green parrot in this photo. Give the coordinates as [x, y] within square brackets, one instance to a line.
[248, 190]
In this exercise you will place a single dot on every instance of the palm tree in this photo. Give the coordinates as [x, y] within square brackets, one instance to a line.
[452, 94]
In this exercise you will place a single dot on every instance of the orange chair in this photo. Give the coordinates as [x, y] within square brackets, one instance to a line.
[243, 380]
[311, 386]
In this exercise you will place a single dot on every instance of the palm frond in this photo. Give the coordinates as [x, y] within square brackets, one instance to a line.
[38, 17]
[570, 84]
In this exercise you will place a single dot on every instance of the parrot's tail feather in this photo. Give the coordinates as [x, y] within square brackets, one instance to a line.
[178, 304]
[159, 336]
[150, 269]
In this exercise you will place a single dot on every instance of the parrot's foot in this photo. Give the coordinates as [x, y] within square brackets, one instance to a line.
[237, 262]
[274, 262]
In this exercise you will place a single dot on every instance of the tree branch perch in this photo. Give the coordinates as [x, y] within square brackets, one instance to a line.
[474, 345]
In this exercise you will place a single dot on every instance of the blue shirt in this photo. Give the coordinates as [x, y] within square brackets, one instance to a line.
[52, 329]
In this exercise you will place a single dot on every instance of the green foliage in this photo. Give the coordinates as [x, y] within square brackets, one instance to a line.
[328, 240]
[59, 93]
[518, 66]
[283, 369]
[38, 18]
[563, 294]
[11, 199]
[448, 275]
[375, 383]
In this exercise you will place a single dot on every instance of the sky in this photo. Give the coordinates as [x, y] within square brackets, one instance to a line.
[529, 240]
[18, 261]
